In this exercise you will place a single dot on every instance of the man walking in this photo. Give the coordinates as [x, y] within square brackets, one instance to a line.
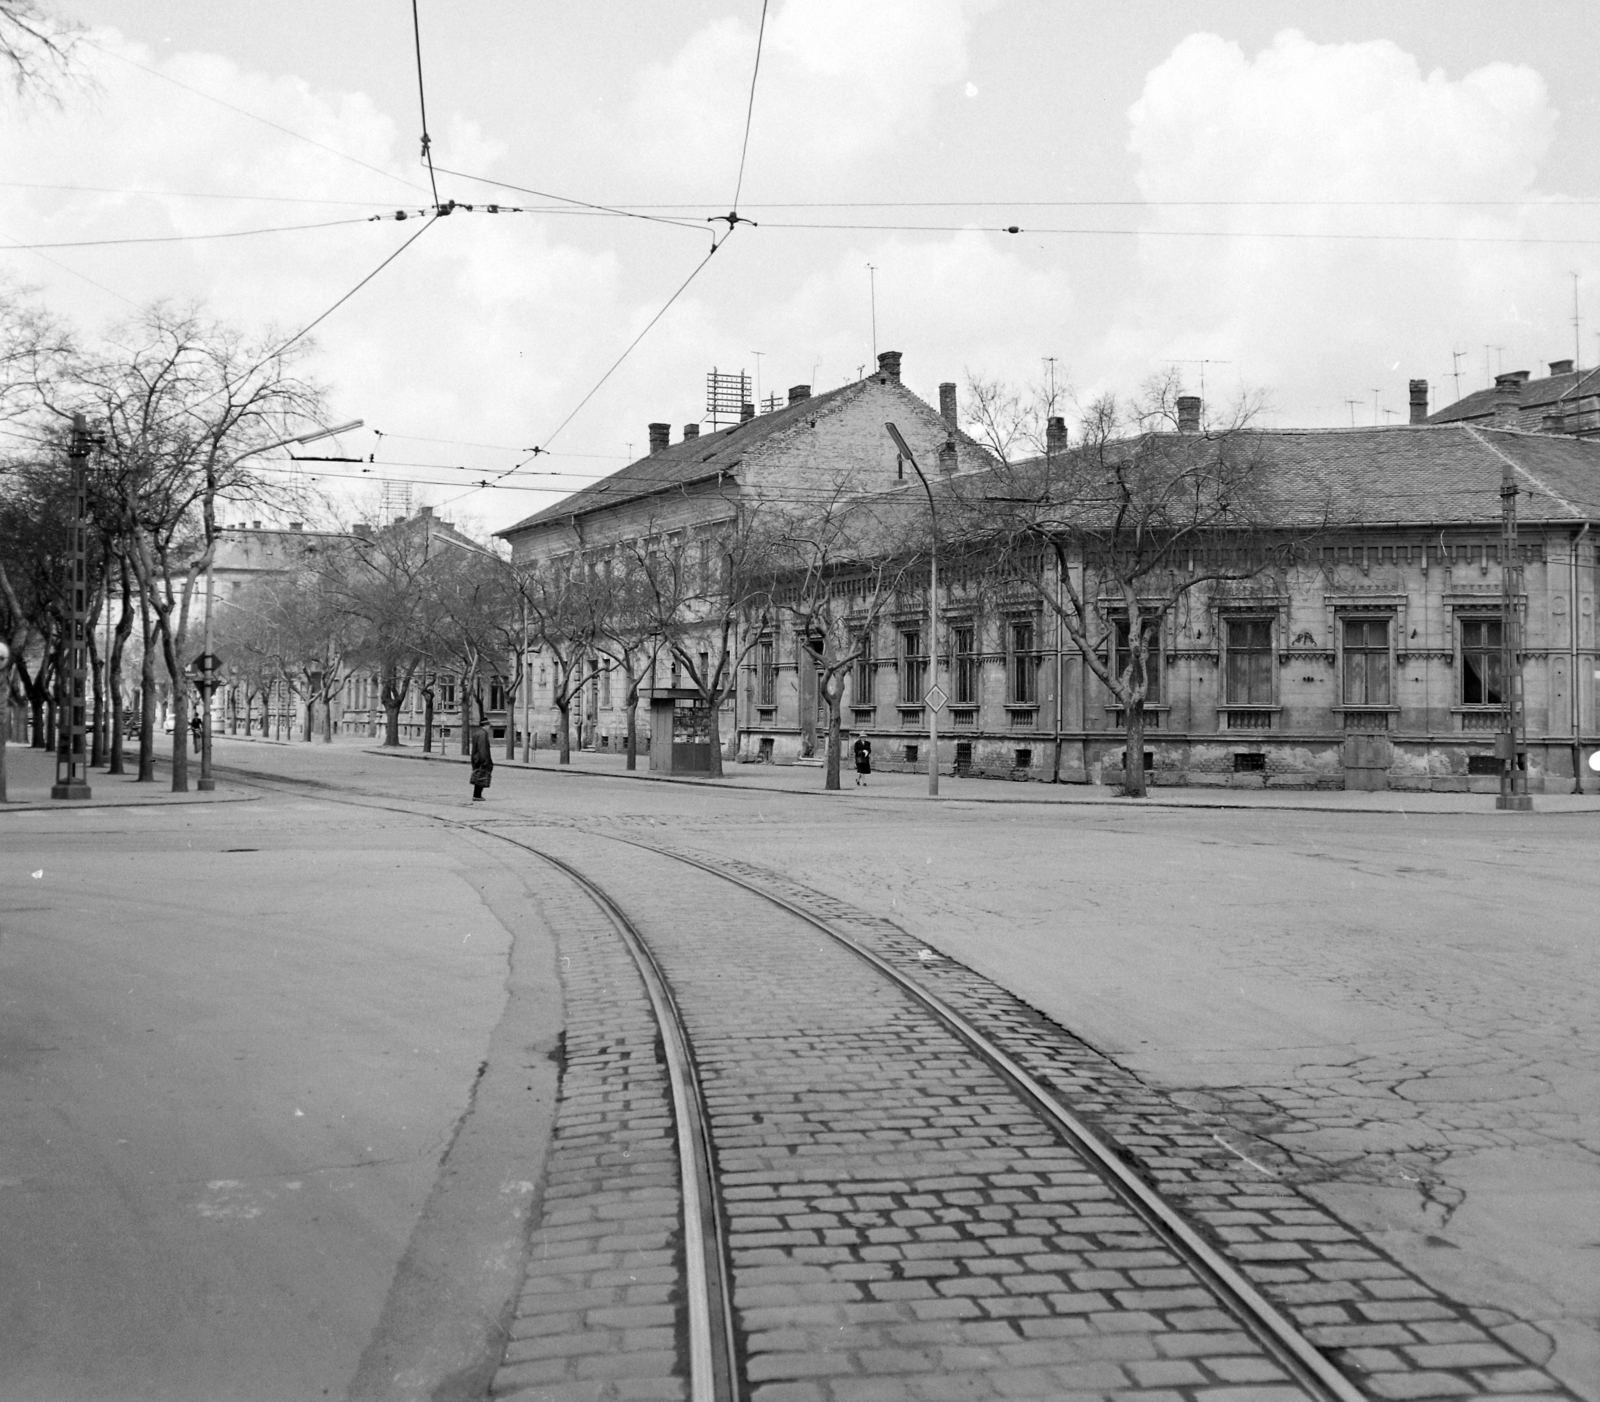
[482, 761]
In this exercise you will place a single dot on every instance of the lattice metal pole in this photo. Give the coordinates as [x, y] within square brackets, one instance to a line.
[72, 767]
[1513, 742]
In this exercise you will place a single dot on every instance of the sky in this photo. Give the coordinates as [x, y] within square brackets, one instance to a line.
[1310, 203]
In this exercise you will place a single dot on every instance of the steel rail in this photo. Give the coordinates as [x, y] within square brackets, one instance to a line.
[1265, 1323]
[709, 1293]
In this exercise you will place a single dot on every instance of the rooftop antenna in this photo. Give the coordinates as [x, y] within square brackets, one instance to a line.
[872, 292]
[1050, 371]
[1352, 405]
[1375, 394]
[758, 355]
[1456, 357]
[1202, 364]
[1577, 324]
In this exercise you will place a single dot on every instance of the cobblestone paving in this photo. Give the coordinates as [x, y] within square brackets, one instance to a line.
[1381, 1324]
[599, 1316]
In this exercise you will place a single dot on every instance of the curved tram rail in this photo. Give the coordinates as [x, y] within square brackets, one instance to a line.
[712, 1349]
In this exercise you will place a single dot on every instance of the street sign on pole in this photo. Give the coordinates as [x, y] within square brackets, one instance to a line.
[936, 698]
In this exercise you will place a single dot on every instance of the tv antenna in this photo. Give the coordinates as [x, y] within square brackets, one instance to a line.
[872, 293]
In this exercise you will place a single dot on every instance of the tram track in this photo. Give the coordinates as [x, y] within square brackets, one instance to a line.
[715, 1349]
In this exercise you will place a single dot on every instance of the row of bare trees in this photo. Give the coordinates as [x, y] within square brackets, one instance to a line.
[180, 410]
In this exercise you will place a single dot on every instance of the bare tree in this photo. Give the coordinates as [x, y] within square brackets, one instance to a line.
[837, 565]
[562, 618]
[625, 633]
[709, 597]
[182, 405]
[37, 46]
[1146, 509]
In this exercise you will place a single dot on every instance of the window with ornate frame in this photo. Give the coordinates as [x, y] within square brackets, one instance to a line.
[1366, 668]
[1249, 669]
[1120, 649]
[964, 664]
[1481, 682]
[766, 673]
[864, 674]
[1022, 662]
[913, 666]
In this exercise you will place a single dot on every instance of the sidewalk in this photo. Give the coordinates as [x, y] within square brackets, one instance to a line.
[805, 779]
[30, 774]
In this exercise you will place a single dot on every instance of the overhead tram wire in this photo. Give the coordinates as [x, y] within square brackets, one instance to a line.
[422, 102]
[190, 238]
[750, 108]
[550, 438]
[568, 200]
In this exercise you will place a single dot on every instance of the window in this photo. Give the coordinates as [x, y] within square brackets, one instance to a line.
[1480, 662]
[913, 667]
[605, 685]
[963, 643]
[766, 674]
[1022, 663]
[864, 679]
[1152, 656]
[1366, 662]
[1249, 662]
[497, 694]
[447, 693]
[1249, 764]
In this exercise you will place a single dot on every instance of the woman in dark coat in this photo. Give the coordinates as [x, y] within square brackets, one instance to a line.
[482, 762]
[862, 752]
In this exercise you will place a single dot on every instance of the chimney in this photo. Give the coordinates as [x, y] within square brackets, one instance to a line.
[690, 431]
[799, 392]
[255, 525]
[1055, 435]
[426, 512]
[947, 406]
[947, 457]
[1188, 413]
[889, 364]
[399, 520]
[361, 530]
[660, 436]
[1419, 401]
[1508, 397]
[746, 413]
[294, 525]
[1560, 367]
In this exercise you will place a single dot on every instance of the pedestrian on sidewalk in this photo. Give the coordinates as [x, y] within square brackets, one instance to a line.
[862, 751]
[482, 761]
[196, 729]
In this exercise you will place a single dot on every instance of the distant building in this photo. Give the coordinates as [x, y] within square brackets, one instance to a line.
[1567, 401]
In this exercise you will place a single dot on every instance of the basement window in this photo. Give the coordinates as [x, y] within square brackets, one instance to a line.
[1249, 764]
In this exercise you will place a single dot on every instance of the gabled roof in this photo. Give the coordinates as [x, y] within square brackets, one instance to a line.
[1535, 399]
[691, 460]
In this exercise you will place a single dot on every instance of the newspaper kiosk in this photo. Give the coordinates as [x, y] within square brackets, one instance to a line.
[680, 732]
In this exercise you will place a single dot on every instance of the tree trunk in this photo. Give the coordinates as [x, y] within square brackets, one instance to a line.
[5, 724]
[511, 725]
[632, 741]
[564, 708]
[327, 718]
[832, 781]
[391, 724]
[97, 705]
[1133, 757]
[427, 722]
[119, 642]
[147, 699]
[35, 720]
[715, 771]
[180, 740]
[311, 721]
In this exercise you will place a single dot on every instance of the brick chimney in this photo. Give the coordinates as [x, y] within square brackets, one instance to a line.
[1188, 413]
[1055, 435]
[798, 393]
[690, 431]
[1508, 397]
[294, 525]
[1560, 367]
[947, 406]
[660, 436]
[1419, 401]
[426, 512]
[889, 364]
[746, 413]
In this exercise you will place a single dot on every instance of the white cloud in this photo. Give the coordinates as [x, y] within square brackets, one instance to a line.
[1314, 320]
[838, 80]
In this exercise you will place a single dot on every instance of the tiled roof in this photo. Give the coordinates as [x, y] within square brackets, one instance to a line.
[1535, 399]
[1422, 474]
[691, 460]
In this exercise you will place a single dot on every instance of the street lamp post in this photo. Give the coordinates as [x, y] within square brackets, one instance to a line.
[933, 698]
[207, 670]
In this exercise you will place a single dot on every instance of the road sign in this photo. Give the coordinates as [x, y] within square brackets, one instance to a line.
[936, 698]
[207, 663]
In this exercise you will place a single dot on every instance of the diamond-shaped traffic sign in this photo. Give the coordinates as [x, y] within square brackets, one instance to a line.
[936, 698]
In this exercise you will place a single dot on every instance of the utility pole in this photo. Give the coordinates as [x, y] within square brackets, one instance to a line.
[72, 770]
[934, 698]
[1512, 742]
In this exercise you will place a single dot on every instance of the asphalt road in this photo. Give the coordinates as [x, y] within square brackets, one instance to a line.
[1397, 1011]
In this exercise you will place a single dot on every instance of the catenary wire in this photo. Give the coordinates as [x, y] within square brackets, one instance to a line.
[189, 238]
[422, 102]
[750, 109]
[567, 200]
